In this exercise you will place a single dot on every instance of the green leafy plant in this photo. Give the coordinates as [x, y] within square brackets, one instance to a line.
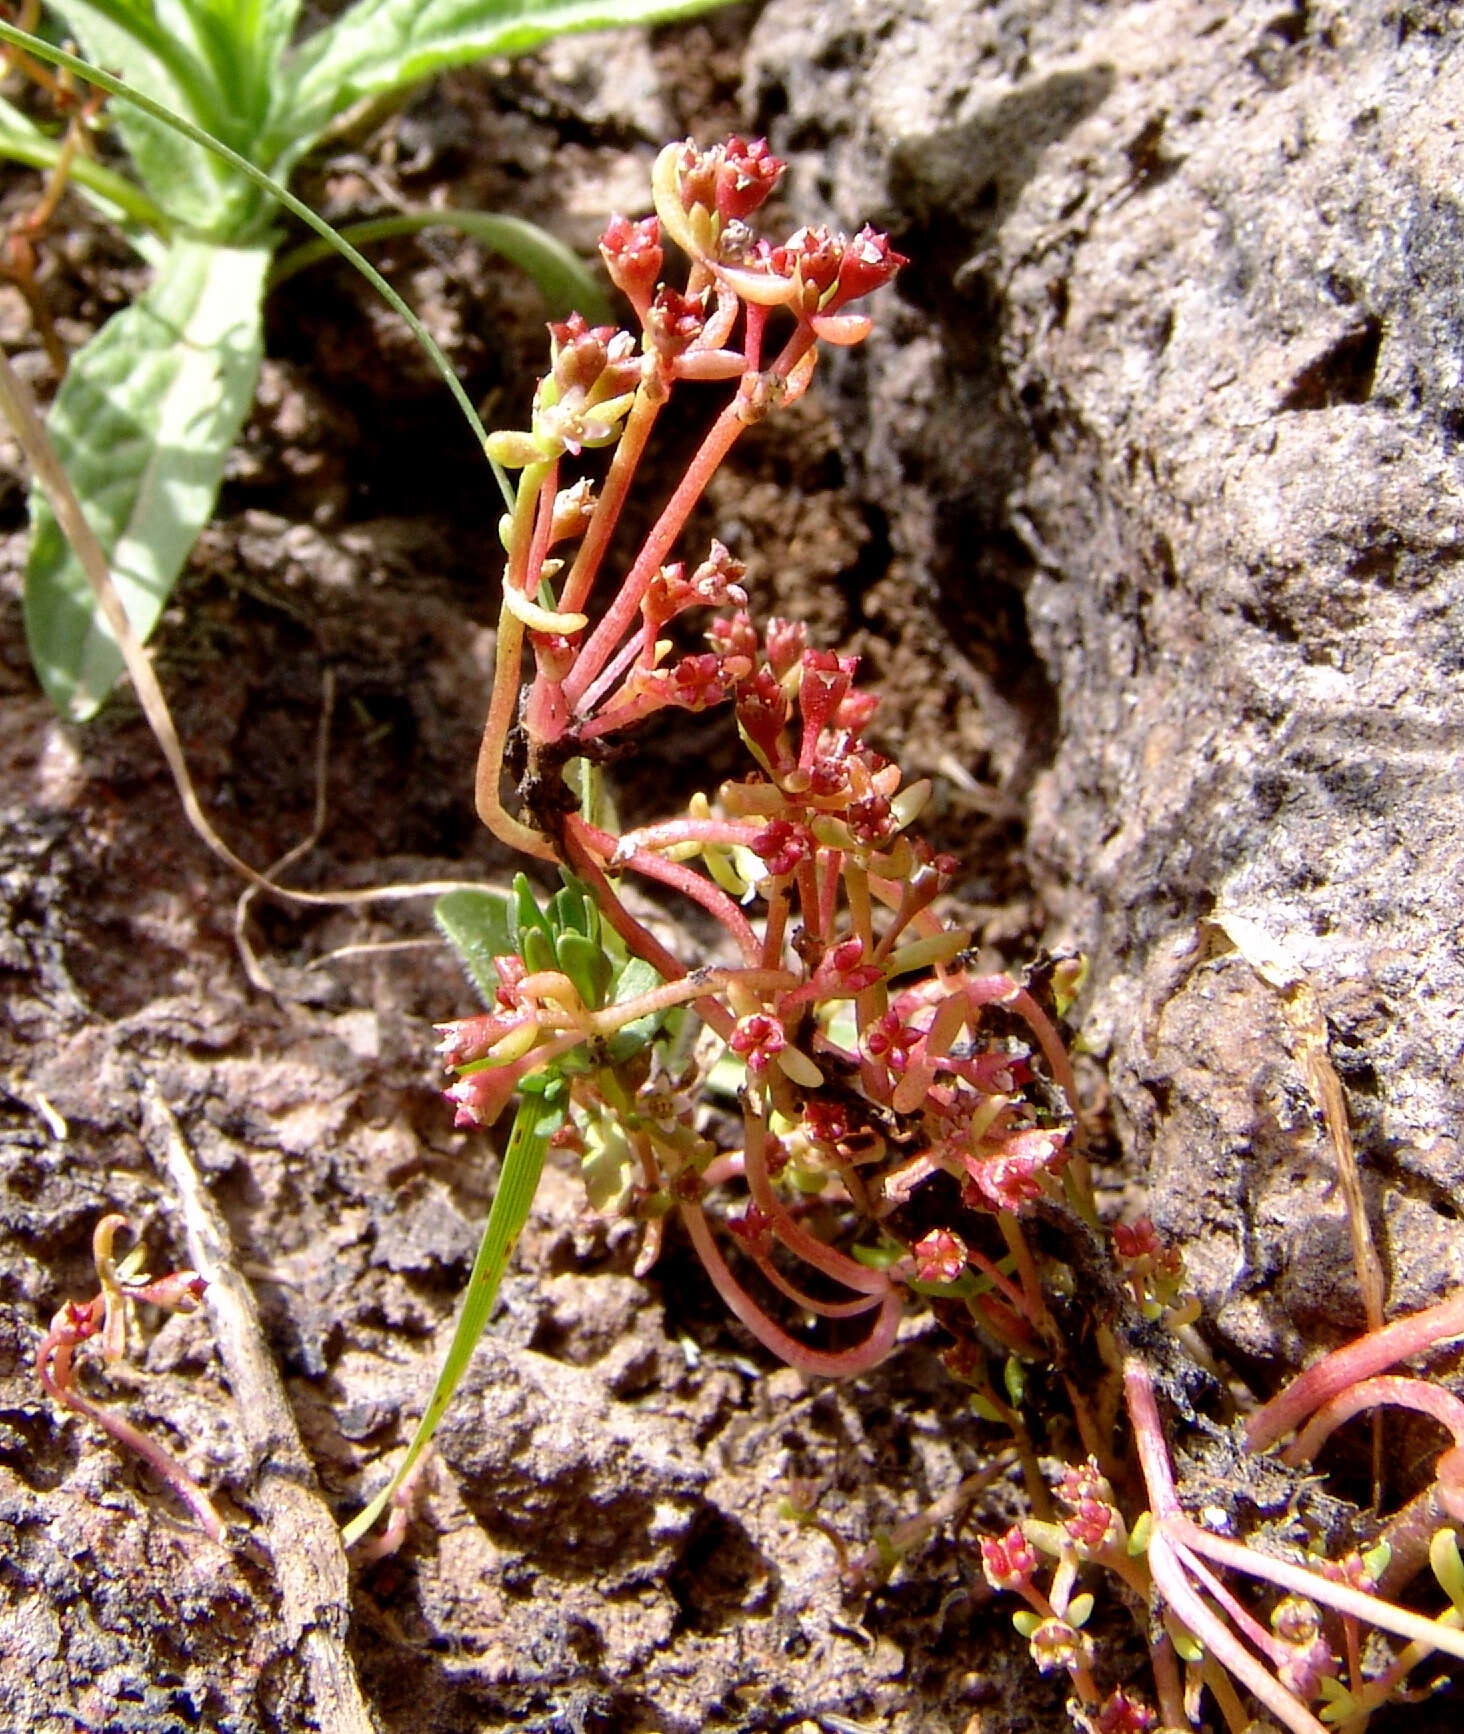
[148, 409]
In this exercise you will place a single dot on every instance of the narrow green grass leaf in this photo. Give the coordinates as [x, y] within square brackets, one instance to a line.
[539, 1116]
[561, 276]
[143, 423]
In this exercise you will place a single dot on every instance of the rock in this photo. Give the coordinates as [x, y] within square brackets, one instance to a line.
[1174, 386]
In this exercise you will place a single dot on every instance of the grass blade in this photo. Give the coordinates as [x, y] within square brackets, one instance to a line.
[540, 1114]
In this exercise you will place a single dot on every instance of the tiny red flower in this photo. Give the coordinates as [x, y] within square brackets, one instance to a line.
[762, 715]
[1090, 1525]
[733, 635]
[752, 1228]
[782, 845]
[825, 682]
[1055, 1645]
[786, 640]
[470, 1038]
[828, 780]
[482, 1096]
[1136, 1239]
[892, 1040]
[940, 1256]
[869, 820]
[718, 580]
[746, 175]
[856, 712]
[826, 1122]
[869, 262]
[1008, 1561]
[758, 1038]
[633, 258]
[1080, 1482]
[1011, 1180]
[843, 972]
[1122, 1714]
[675, 321]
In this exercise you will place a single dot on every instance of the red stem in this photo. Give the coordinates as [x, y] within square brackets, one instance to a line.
[621, 615]
[858, 1359]
[640, 939]
[628, 451]
[59, 1347]
[1371, 1354]
[824, 1309]
[691, 884]
[1166, 1561]
[1398, 1393]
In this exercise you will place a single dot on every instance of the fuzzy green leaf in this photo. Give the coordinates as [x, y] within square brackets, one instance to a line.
[158, 52]
[476, 925]
[143, 423]
[382, 46]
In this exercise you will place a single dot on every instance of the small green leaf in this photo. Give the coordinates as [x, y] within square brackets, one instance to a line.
[963, 1288]
[986, 1409]
[586, 965]
[537, 950]
[1448, 1566]
[1026, 1621]
[142, 423]
[879, 1257]
[1050, 1538]
[1079, 1609]
[1377, 1560]
[1187, 1646]
[1014, 1377]
[1138, 1541]
[526, 910]
[476, 925]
